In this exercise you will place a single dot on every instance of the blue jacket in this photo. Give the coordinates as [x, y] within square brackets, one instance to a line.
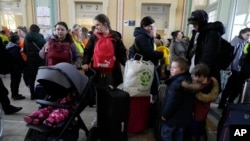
[177, 108]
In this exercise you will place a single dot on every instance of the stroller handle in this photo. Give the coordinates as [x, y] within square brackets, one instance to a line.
[91, 73]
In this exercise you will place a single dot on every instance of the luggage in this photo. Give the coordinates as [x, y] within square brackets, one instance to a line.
[234, 115]
[138, 114]
[112, 113]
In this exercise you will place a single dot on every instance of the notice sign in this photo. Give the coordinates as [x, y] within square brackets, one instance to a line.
[159, 12]
[88, 10]
[43, 20]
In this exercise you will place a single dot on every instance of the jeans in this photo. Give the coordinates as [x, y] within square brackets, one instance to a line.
[169, 133]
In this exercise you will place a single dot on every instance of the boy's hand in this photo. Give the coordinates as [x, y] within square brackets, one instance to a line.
[162, 118]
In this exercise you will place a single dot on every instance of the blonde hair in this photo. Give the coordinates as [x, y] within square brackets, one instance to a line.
[76, 27]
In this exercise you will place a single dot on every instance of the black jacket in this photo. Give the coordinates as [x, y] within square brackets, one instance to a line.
[32, 52]
[208, 46]
[145, 46]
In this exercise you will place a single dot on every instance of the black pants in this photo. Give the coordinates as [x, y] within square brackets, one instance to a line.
[31, 83]
[232, 90]
[15, 79]
[4, 99]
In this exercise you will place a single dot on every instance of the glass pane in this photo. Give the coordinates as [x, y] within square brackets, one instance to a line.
[212, 16]
[240, 19]
[11, 21]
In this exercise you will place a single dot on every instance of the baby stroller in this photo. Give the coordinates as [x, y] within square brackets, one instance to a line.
[55, 80]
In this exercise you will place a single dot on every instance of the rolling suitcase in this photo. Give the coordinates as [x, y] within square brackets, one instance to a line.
[112, 113]
[138, 114]
[235, 116]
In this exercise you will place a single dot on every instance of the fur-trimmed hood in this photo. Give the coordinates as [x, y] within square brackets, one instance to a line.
[204, 97]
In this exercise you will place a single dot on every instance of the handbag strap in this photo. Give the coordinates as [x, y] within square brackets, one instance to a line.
[36, 46]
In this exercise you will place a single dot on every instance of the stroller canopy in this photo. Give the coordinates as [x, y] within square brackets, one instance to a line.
[64, 74]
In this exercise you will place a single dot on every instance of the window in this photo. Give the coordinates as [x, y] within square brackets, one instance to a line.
[212, 16]
[242, 17]
[212, 1]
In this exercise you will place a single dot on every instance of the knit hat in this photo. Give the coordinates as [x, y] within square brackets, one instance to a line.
[147, 21]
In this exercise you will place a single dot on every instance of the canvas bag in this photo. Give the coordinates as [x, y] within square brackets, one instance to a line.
[138, 76]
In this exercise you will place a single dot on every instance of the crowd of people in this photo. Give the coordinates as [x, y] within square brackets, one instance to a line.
[194, 75]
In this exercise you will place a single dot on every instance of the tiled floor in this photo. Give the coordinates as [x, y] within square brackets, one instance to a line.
[15, 129]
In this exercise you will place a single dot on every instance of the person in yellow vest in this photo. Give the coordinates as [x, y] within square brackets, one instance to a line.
[77, 38]
[4, 37]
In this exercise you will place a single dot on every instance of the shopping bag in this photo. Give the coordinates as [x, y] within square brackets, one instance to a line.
[138, 76]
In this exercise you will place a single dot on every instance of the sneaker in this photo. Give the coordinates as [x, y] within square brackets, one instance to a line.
[12, 110]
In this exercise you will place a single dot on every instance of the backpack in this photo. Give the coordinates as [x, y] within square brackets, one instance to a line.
[58, 52]
[104, 53]
[226, 54]
[5, 60]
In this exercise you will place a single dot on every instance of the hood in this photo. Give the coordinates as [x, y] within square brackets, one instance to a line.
[140, 31]
[10, 45]
[64, 74]
[215, 26]
[204, 97]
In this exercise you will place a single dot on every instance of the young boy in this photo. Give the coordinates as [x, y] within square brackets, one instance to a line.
[177, 110]
[206, 93]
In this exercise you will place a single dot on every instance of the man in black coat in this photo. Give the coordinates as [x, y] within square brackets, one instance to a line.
[205, 43]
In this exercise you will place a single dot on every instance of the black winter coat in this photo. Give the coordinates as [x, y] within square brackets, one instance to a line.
[145, 46]
[33, 58]
[208, 47]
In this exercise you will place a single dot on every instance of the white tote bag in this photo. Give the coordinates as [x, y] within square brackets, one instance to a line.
[138, 76]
